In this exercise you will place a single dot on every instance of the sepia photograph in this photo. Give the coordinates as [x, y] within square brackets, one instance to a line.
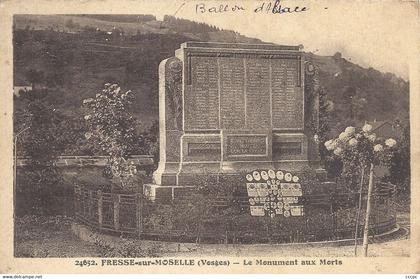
[250, 135]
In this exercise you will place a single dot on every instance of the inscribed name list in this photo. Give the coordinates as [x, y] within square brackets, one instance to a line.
[203, 100]
[287, 98]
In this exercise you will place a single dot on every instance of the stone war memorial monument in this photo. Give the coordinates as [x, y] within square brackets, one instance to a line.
[229, 109]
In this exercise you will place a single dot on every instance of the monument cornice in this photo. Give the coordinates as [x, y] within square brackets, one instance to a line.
[240, 46]
[243, 54]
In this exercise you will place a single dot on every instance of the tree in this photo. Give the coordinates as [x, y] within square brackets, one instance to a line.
[399, 163]
[363, 150]
[111, 126]
[325, 108]
[151, 142]
[34, 77]
[70, 24]
[42, 142]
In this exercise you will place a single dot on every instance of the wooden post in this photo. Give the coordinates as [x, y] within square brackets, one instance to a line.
[368, 206]
[116, 211]
[100, 215]
[359, 210]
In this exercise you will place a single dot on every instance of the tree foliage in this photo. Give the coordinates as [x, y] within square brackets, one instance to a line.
[111, 126]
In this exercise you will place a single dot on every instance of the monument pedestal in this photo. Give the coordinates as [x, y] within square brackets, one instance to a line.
[228, 109]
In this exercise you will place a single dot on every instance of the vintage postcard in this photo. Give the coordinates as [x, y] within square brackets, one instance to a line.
[260, 136]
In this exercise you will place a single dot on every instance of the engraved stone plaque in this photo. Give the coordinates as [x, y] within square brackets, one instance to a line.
[239, 145]
[200, 149]
[243, 91]
[287, 148]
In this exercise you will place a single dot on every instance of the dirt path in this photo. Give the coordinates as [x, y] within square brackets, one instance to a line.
[394, 248]
[399, 246]
[58, 241]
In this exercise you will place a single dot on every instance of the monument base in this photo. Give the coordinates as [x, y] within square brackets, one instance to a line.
[155, 192]
[187, 182]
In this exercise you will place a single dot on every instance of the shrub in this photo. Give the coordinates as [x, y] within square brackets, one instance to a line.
[126, 248]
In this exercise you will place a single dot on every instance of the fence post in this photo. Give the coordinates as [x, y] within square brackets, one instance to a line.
[90, 204]
[100, 217]
[86, 204]
[377, 215]
[82, 202]
[75, 200]
[139, 214]
[116, 199]
[332, 216]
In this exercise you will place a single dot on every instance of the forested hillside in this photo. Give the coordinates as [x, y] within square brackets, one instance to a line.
[71, 57]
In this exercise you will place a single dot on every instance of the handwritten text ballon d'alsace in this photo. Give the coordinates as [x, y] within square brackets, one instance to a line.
[274, 7]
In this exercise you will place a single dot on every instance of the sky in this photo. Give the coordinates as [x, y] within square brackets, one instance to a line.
[379, 34]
